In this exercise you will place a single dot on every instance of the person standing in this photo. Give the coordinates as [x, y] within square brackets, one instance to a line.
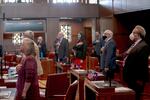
[42, 47]
[61, 47]
[80, 49]
[1, 51]
[30, 35]
[135, 71]
[108, 61]
[102, 43]
[96, 44]
[27, 82]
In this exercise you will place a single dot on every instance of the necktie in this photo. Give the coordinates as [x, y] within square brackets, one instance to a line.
[131, 47]
[127, 53]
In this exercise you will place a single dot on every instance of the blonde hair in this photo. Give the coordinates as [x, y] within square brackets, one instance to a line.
[29, 34]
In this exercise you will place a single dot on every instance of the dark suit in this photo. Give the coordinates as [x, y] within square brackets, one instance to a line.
[136, 67]
[42, 49]
[102, 43]
[96, 44]
[1, 51]
[63, 50]
[109, 57]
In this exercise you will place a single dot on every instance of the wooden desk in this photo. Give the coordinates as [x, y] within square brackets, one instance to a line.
[101, 92]
[12, 93]
[77, 74]
[9, 83]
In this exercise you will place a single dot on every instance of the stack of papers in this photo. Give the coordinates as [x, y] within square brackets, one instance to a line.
[5, 94]
[81, 71]
[122, 89]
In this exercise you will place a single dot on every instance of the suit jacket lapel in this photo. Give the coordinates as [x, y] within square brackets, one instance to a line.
[136, 47]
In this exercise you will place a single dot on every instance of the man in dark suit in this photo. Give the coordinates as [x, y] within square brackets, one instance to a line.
[1, 51]
[42, 47]
[96, 44]
[108, 61]
[61, 48]
[135, 71]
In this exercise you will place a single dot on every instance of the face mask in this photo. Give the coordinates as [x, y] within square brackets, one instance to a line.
[131, 36]
[104, 37]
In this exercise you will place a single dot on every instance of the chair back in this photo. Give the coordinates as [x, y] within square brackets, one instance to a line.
[93, 63]
[56, 84]
[71, 92]
[48, 66]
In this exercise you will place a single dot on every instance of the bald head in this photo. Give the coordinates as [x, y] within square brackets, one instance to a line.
[40, 39]
[108, 33]
[29, 34]
[60, 35]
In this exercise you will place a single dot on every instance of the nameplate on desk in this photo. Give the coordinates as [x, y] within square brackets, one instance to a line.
[5, 94]
[122, 89]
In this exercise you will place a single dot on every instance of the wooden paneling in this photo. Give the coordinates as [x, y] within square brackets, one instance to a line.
[7, 36]
[88, 35]
[23, 10]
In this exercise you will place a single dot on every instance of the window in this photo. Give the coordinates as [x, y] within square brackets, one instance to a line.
[27, 1]
[65, 1]
[9, 1]
[93, 1]
[66, 29]
[17, 1]
[104, 2]
[17, 38]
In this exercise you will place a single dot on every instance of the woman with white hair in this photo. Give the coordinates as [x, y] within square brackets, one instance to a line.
[30, 35]
[27, 83]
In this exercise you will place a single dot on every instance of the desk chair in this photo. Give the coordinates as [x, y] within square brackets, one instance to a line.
[69, 95]
[48, 66]
[58, 88]
[94, 63]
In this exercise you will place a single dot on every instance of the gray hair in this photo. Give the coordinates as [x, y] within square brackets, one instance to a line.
[31, 48]
[109, 32]
[141, 31]
[29, 34]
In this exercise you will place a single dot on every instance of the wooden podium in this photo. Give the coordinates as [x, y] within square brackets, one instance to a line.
[79, 74]
[99, 90]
